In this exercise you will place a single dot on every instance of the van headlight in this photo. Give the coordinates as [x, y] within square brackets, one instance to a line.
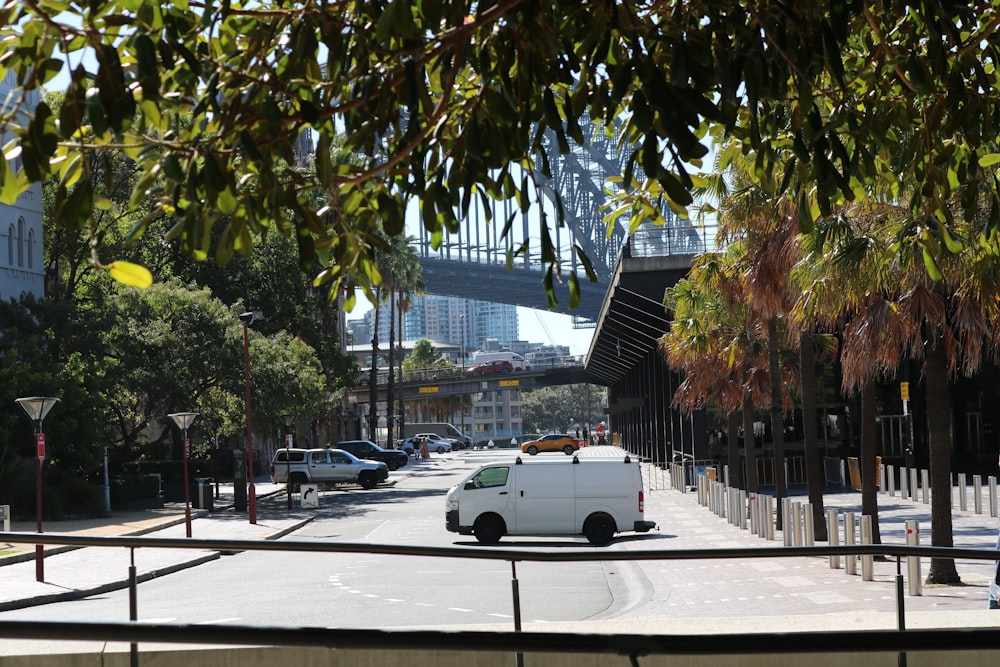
[450, 505]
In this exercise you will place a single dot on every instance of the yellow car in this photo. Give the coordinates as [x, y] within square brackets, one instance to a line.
[555, 442]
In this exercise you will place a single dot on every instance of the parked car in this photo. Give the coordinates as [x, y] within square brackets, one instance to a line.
[321, 466]
[366, 449]
[554, 442]
[491, 368]
[435, 443]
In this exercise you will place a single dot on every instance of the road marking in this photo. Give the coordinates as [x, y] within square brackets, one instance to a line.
[501, 615]
[459, 609]
[376, 529]
[219, 620]
[394, 600]
[372, 595]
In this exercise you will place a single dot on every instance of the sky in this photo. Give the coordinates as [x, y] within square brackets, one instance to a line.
[534, 326]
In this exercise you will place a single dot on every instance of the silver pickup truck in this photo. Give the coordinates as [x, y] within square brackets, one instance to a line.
[325, 466]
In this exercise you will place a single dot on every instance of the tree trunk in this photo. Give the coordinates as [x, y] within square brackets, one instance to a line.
[390, 402]
[938, 408]
[402, 407]
[869, 489]
[733, 441]
[814, 466]
[777, 414]
[749, 445]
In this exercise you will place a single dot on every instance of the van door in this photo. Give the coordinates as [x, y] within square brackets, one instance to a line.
[486, 491]
[543, 499]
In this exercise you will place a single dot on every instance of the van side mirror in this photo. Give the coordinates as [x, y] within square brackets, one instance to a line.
[469, 486]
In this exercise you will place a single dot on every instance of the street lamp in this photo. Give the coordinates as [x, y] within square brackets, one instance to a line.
[461, 322]
[247, 319]
[36, 408]
[289, 421]
[183, 421]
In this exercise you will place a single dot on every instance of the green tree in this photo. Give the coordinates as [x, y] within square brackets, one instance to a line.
[424, 355]
[554, 408]
[432, 97]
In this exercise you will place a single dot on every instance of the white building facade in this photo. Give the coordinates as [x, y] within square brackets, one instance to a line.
[22, 261]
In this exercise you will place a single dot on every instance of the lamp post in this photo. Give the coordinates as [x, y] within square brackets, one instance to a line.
[461, 322]
[183, 421]
[36, 408]
[289, 421]
[247, 319]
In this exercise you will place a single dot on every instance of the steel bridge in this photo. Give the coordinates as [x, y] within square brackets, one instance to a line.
[472, 263]
[624, 304]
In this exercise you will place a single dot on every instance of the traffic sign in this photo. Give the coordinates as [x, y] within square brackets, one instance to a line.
[40, 442]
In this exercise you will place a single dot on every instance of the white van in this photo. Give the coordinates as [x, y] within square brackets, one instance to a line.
[593, 497]
[516, 360]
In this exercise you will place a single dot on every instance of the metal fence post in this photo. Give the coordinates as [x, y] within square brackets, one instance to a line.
[993, 496]
[925, 485]
[977, 492]
[904, 482]
[833, 536]
[769, 517]
[807, 522]
[786, 521]
[963, 503]
[867, 565]
[891, 479]
[850, 562]
[913, 562]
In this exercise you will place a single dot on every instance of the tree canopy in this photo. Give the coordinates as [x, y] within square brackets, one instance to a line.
[445, 100]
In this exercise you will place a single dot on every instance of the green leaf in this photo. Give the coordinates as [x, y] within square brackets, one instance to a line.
[932, 269]
[133, 275]
[989, 160]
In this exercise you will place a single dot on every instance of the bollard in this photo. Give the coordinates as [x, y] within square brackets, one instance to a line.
[786, 521]
[723, 497]
[963, 504]
[977, 492]
[850, 560]
[925, 485]
[913, 562]
[913, 484]
[891, 479]
[833, 536]
[993, 496]
[904, 486]
[769, 517]
[881, 478]
[752, 500]
[742, 509]
[867, 564]
[810, 533]
[5, 515]
[796, 524]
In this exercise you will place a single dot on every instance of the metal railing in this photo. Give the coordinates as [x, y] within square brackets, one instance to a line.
[896, 641]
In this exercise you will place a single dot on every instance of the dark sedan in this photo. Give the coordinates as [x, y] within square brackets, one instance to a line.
[366, 449]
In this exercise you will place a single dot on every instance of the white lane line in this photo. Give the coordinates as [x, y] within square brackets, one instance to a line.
[501, 615]
[394, 600]
[459, 609]
[372, 595]
[377, 528]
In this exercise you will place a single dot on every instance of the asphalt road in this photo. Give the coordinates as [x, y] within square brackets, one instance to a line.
[376, 591]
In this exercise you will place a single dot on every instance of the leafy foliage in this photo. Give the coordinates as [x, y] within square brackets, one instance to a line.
[443, 101]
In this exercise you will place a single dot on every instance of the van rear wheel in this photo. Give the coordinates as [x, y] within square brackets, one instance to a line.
[599, 529]
[489, 528]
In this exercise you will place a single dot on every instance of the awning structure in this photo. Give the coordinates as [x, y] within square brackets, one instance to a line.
[632, 316]
[624, 356]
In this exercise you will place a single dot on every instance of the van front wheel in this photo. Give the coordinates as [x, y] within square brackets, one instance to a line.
[488, 529]
[599, 529]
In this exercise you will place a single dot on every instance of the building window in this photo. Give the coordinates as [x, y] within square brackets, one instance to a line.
[31, 251]
[20, 241]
